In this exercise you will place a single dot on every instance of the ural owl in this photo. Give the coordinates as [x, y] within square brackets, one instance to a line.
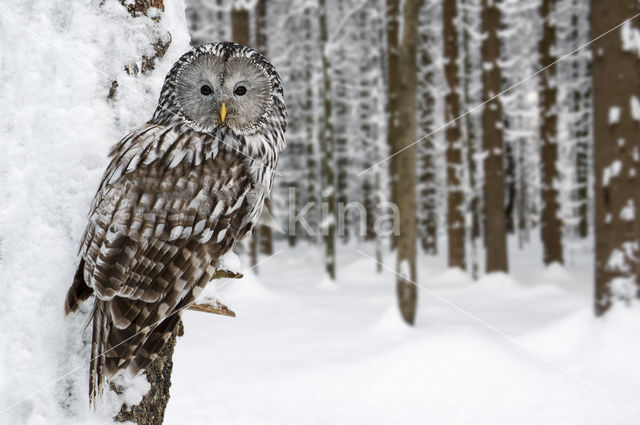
[179, 191]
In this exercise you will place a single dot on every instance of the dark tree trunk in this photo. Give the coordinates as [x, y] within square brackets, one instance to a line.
[262, 238]
[392, 28]
[492, 142]
[616, 93]
[240, 27]
[328, 218]
[550, 225]
[455, 192]
[427, 209]
[470, 130]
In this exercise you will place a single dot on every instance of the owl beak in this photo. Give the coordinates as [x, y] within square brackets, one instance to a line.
[223, 111]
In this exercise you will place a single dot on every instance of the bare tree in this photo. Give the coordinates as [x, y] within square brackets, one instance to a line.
[616, 90]
[550, 223]
[492, 140]
[455, 189]
[328, 193]
[240, 25]
[427, 167]
[402, 132]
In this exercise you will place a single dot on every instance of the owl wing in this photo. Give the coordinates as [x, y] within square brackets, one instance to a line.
[156, 230]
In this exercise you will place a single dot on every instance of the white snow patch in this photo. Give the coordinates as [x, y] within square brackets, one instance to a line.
[635, 108]
[613, 170]
[230, 262]
[614, 115]
[628, 212]
[624, 288]
[630, 38]
[404, 269]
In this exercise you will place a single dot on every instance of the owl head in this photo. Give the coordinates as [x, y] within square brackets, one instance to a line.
[224, 84]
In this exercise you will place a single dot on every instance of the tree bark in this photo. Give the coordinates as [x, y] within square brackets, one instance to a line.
[404, 164]
[473, 232]
[616, 90]
[328, 224]
[151, 409]
[492, 140]
[427, 210]
[262, 238]
[392, 28]
[550, 225]
[240, 27]
[455, 192]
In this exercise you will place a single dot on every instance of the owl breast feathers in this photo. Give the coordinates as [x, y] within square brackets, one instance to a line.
[179, 191]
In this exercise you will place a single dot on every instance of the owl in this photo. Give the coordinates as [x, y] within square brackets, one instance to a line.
[179, 191]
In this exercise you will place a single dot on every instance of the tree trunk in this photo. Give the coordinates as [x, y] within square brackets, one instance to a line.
[310, 127]
[473, 232]
[550, 224]
[427, 210]
[582, 116]
[240, 27]
[393, 81]
[261, 27]
[151, 409]
[455, 192]
[616, 90]
[404, 164]
[328, 224]
[263, 235]
[492, 140]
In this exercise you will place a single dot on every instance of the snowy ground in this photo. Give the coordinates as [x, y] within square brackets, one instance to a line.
[521, 350]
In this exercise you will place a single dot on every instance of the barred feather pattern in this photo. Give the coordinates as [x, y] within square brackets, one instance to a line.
[173, 200]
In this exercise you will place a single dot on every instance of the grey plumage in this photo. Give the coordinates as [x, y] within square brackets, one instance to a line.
[179, 191]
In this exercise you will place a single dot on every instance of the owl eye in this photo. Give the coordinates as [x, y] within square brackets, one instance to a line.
[240, 91]
[206, 90]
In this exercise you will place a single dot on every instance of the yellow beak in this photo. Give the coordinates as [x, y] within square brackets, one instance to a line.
[223, 111]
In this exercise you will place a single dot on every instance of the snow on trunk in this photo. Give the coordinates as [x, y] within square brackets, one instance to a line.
[61, 112]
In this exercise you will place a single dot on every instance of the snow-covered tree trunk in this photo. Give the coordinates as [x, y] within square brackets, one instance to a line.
[455, 187]
[550, 223]
[494, 183]
[429, 44]
[106, 85]
[471, 97]
[616, 90]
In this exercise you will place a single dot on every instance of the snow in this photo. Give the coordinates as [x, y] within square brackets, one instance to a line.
[630, 38]
[522, 348]
[635, 108]
[56, 127]
[613, 170]
[519, 348]
[628, 212]
[614, 115]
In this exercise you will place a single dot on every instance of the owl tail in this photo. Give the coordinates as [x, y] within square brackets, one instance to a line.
[98, 343]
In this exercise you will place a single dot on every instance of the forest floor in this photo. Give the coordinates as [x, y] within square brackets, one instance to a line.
[517, 349]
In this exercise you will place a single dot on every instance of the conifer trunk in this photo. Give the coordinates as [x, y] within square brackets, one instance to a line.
[328, 224]
[401, 136]
[240, 27]
[616, 90]
[492, 142]
[455, 192]
[550, 225]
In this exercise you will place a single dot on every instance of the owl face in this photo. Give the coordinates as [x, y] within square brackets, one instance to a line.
[225, 87]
